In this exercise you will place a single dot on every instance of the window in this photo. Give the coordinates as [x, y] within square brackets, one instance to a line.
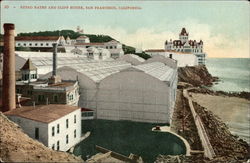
[74, 118]
[41, 44]
[41, 98]
[71, 97]
[36, 133]
[35, 44]
[87, 114]
[30, 44]
[58, 128]
[53, 146]
[18, 44]
[53, 131]
[67, 123]
[24, 44]
[29, 92]
[47, 44]
[33, 76]
[67, 139]
[58, 145]
[74, 133]
[55, 98]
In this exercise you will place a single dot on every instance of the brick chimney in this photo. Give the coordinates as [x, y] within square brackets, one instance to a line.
[9, 80]
[54, 78]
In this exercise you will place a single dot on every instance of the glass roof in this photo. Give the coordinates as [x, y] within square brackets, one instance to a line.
[158, 70]
[98, 70]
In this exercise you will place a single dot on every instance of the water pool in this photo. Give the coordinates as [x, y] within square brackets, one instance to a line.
[127, 137]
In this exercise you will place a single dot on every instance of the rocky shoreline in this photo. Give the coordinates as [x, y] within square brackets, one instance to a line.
[227, 147]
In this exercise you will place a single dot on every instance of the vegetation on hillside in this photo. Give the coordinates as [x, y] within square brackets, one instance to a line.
[72, 34]
[93, 38]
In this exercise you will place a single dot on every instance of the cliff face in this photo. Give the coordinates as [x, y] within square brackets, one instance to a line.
[197, 75]
[15, 146]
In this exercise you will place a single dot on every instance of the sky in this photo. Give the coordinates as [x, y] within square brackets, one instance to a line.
[222, 25]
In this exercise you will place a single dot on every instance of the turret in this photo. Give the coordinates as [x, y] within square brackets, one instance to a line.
[183, 36]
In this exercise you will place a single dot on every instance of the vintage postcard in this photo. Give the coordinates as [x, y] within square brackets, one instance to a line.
[124, 81]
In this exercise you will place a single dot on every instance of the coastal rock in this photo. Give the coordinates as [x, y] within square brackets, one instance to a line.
[196, 75]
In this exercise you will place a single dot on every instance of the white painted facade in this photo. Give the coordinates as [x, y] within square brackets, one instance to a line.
[45, 130]
[144, 93]
[35, 42]
[183, 59]
[82, 39]
[187, 46]
[114, 47]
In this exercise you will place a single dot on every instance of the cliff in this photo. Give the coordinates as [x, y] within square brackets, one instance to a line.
[197, 76]
[16, 146]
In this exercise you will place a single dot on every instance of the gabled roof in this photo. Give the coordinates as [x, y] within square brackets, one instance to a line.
[29, 66]
[36, 38]
[42, 113]
[90, 44]
[184, 32]
[81, 37]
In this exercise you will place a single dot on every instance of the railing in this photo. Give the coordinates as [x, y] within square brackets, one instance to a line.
[208, 149]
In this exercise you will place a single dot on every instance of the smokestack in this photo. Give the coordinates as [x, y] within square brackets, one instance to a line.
[54, 78]
[9, 81]
[54, 59]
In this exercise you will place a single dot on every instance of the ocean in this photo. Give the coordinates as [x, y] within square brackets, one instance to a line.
[234, 73]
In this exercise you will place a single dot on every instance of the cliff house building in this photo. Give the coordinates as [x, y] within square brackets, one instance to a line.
[186, 52]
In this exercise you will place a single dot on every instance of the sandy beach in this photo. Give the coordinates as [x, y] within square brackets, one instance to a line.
[233, 111]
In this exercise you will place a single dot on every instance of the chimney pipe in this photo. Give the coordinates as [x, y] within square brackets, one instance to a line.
[54, 59]
[9, 81]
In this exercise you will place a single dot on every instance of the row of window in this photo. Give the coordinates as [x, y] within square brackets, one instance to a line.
[41, 98]
[29, 76]
[66, 139]
[58, 126]
[110, 47]
[35, 44]
[29, 92]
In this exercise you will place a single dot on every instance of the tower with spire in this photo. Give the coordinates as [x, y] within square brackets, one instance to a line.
[184, 45]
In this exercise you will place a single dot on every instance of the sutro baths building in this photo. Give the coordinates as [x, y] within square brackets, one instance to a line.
[118, 90]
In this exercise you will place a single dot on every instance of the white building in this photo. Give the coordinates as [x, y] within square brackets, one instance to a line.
[119, 91]
[183, 58]
[187, 46]
[82, 39]
[117, 86]
[98, 53]
[56, 126]
[39, 41]
[113, 46]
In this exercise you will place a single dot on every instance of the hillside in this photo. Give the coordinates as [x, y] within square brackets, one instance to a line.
[92, 37]
[16, 146]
